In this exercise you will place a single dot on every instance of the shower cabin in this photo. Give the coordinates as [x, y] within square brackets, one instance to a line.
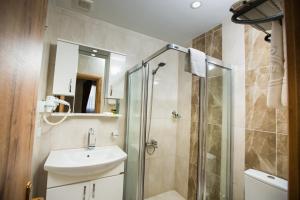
[178, 136]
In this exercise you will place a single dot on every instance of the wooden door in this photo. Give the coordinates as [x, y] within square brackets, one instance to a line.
[292, 22]
[21, 33]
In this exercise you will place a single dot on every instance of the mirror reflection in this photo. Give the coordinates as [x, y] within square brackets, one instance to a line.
[89, 80]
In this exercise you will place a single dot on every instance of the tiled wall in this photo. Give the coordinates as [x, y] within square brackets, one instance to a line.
[211, 44]
[266, 128]
[183, 129]
[72, 133]
[160, 166]
[233, 55]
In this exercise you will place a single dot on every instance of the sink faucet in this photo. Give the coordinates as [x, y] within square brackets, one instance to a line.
[91, 139]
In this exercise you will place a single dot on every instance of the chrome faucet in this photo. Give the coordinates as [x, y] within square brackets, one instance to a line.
[91, 139]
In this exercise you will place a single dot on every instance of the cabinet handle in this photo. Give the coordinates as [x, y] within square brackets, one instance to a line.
[84, 192]
[94, 188]
[70, 85]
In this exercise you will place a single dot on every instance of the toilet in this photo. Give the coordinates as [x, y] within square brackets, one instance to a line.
[263, 186]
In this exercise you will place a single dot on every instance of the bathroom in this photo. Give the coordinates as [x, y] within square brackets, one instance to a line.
[125, 101]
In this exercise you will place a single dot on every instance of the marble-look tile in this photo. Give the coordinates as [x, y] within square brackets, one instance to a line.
[261, 151]
[215, 85]
[282, 156]
[266, 139]
[214, 143]
[258, 77]
[194, 144]
[212, 186]
[257, 50]
[193, 182]
[199, 43]
[195, 90]
[213, 43]
[258, 115]
[282, 120]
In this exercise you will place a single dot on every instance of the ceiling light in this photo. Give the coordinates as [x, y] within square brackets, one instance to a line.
[92, 54]
[95, 50]
[196, 4]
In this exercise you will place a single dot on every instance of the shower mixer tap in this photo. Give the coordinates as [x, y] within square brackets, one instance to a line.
[152, 144]
[176, 115]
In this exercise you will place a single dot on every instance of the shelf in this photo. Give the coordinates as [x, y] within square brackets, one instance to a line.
[86, 115]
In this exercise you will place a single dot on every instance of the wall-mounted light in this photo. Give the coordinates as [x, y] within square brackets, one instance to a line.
[196, 4]
[92, 54]
[95, 50]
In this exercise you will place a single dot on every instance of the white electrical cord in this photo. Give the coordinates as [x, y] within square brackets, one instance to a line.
[59, 122]
[51, 103]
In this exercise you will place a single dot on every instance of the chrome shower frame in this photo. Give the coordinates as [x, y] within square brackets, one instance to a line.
[144, 66]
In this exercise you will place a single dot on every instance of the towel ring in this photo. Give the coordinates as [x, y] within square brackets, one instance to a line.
[268, 37]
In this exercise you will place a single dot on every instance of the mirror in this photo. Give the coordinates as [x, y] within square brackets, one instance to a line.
[85, 76]
[89, 91]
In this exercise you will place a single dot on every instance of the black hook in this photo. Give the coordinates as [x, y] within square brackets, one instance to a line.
[268, 37]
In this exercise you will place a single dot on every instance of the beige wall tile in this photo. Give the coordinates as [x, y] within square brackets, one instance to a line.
[261, 151]
[266, 143]
[282, 156]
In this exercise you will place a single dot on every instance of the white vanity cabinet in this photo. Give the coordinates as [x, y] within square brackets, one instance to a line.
[108, 188]
[65, 72]
[116, 76]
[79, 191]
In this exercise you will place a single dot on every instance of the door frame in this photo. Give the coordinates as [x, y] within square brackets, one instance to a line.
[292, 23]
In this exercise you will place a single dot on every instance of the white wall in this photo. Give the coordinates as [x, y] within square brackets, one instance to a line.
[160, 166]
[234, 55]
[72, 133]
[183, 129]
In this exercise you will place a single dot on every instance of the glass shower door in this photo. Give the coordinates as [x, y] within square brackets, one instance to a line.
[218, 136]
[133, 135]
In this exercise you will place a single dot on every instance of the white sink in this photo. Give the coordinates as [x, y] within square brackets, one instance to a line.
[83, 162]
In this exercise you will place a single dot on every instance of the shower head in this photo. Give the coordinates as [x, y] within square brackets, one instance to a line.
[158, 66]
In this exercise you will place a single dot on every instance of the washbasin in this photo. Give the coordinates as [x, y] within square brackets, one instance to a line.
[83, 162]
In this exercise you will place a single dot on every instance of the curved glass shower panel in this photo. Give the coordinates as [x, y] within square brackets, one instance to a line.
[133, 134]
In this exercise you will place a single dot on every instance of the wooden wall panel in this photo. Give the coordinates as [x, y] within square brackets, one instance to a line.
[292, 21]
[21, 34]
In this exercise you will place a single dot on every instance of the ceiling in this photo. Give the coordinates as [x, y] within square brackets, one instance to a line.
[170, 20]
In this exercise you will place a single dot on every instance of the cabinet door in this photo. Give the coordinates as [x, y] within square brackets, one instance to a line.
[116, 76]
[66, 64]
[110, 188]
[79, 191]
